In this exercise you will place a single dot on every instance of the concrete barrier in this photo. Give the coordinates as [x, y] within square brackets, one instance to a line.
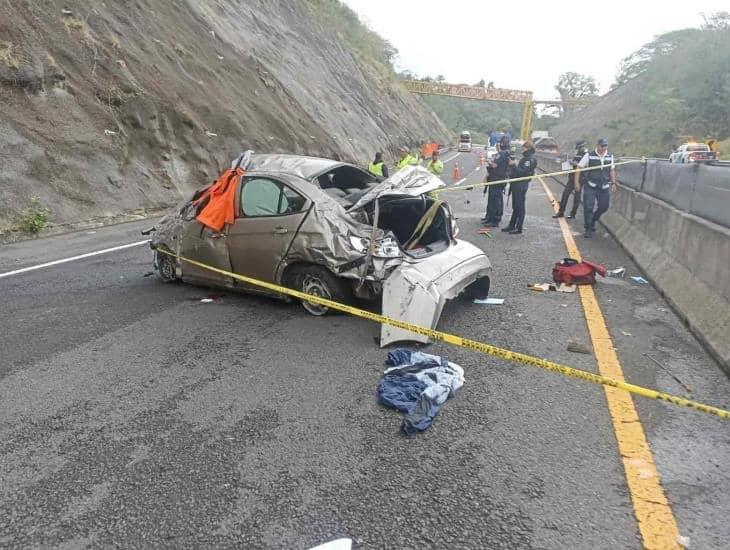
[687, 259]
[684, 255]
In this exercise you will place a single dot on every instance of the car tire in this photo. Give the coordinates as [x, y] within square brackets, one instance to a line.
[166, 267]
[317, 280]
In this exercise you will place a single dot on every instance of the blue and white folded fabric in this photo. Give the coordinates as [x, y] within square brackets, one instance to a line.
[418, 384]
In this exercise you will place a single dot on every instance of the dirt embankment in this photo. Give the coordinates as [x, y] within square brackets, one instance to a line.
[112, 108]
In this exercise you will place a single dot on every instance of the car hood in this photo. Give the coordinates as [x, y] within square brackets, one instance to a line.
[409, 181]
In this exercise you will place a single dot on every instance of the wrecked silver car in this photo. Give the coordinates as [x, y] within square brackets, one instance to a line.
[329, 229]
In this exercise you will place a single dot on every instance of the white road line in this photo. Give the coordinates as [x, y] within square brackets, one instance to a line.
[462, 180]
[452, 157]
[71, 259]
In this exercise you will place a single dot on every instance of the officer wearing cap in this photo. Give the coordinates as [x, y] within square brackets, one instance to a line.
[600, 180]
[580, 150]
[497, 170]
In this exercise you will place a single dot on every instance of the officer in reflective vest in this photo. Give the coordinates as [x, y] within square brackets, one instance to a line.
[378, 167]
[598, 184]
[406, 159]
[435, 165]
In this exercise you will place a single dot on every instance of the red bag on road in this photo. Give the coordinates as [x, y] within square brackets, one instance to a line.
[573, 272]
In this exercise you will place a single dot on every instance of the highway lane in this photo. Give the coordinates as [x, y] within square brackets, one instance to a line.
[133, 414]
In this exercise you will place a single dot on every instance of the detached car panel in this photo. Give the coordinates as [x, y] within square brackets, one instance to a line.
[417, 291]
[330, 229]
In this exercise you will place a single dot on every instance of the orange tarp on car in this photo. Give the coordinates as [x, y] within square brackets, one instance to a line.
[221, 197]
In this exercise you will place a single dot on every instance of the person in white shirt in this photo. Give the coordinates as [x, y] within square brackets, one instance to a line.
[600, 180]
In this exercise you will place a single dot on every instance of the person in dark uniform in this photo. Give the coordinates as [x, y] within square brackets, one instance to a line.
[525, 167]
[498, 169]
[580, 150]
[599, 183]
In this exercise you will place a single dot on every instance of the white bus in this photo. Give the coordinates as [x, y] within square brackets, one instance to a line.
[465, 142]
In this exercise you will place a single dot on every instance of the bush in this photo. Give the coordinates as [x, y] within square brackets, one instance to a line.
[33, 218]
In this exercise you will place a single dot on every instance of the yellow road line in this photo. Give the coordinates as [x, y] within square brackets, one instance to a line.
[455, 340]
[656, 520]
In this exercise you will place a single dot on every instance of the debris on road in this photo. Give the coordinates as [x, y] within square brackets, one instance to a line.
[544, 287]
[640, 280]
[490, 301]
[577, 347]
[626, 333]
[339, 544]
[417, 384]
[685, 386]
[148, 274]
[618, 272]
[573, 272]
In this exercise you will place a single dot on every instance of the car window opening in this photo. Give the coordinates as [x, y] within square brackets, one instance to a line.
[402, 215]
[345, 178]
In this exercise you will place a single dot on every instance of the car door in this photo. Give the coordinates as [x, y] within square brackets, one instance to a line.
[208, 247]
[268, 218]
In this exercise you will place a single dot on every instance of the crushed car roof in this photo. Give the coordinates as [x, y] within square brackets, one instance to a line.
[303, 167]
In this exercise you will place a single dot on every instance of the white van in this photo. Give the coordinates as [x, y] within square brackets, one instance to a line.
[465, 142]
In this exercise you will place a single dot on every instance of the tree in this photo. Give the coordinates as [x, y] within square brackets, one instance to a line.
[574, 86]
[481, 83]
[662, 45]
[718, 21]
[440, 78]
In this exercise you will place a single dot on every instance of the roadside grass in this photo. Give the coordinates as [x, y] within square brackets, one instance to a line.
[34, 218]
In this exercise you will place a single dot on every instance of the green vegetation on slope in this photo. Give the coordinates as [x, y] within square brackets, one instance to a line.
[675, 88]
[347, 25]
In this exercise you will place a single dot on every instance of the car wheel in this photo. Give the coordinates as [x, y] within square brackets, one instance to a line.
[319, 281]
[166, 267]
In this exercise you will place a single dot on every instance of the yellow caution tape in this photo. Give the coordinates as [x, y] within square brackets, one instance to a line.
[452, 339]
[526, 178]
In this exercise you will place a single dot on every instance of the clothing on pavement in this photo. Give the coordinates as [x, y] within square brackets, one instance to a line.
[418, 384]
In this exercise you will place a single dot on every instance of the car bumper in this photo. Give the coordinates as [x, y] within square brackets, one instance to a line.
[416, 292]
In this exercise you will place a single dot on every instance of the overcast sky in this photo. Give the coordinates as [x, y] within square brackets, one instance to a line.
[467, 40]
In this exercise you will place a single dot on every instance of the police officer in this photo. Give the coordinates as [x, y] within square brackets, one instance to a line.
[378, 167]
[580, 150]
[406, 159]
[435, 165]
[525, 167]
[599, 183]
[498, 169]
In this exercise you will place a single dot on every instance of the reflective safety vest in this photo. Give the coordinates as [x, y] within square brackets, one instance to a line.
[376, 169]
[599, 177]
[436, 167]
[408, 160]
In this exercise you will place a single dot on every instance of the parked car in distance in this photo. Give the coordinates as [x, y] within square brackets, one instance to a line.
[693, 152]
[465, 142]
[329, 229]
[546, 145]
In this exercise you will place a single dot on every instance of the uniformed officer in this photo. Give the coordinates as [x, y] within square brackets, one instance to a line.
[580, 150]
[406, 159]
[497, 170]
[525, 167]
[599, 183]
[435, 165]
[378, 167]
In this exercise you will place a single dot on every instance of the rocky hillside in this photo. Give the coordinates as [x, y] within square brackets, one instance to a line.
[112, 108]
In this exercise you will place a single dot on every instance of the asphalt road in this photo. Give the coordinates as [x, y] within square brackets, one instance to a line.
[134, 415]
